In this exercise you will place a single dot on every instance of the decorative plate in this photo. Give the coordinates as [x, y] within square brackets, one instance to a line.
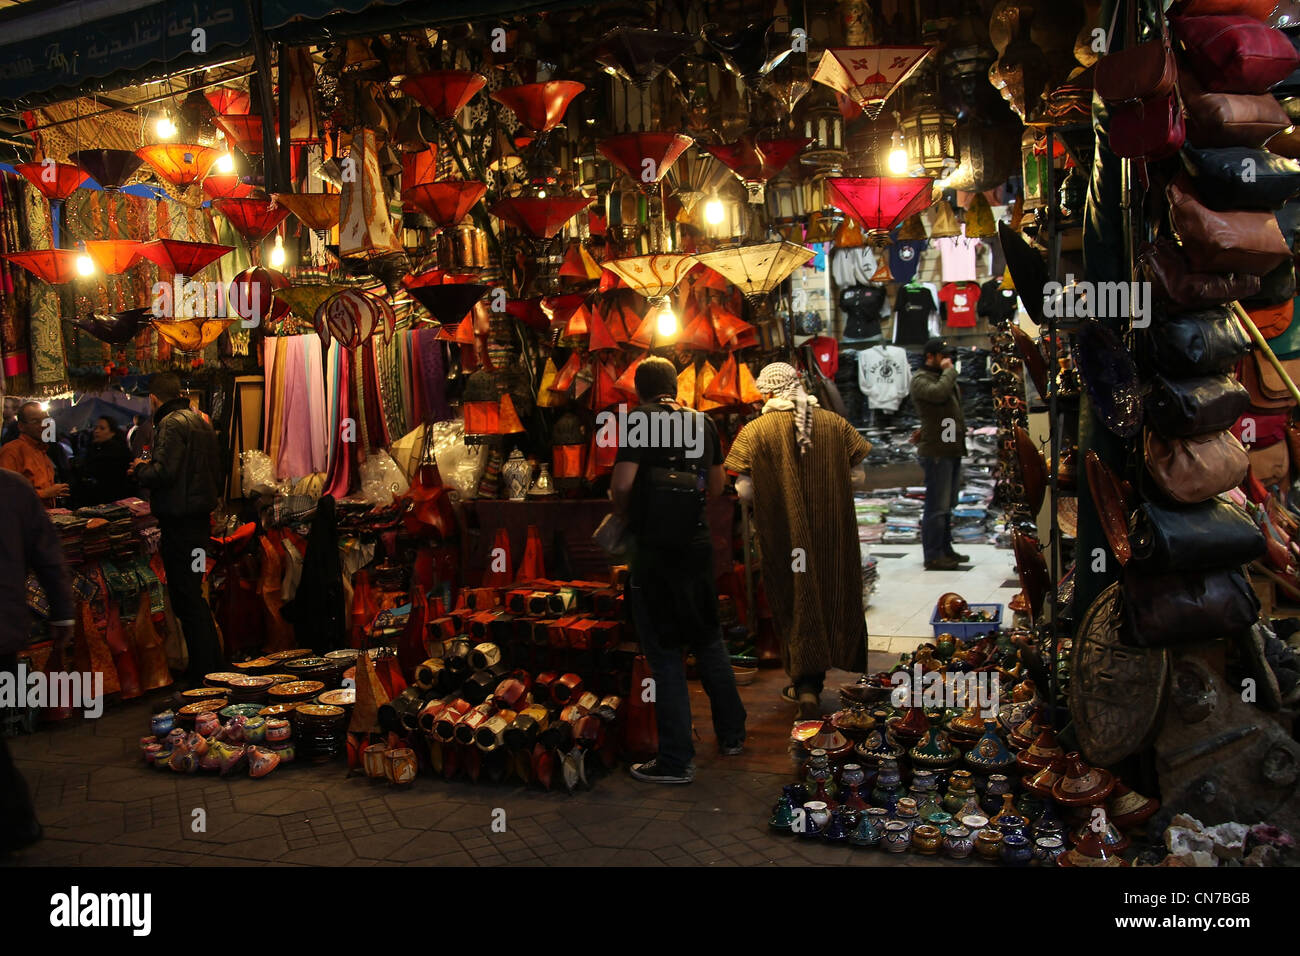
[343, 697]
[251, 681]
[290, 655]
[297, 688]
[319, 710]
[238, 710]
[221, 678]
[211, 705]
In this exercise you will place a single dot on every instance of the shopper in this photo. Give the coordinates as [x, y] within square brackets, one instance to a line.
[101, 468]
[659, 486]
[28, 545]
[182, 474]
[940, 445]
[28, 454]
[795, 460]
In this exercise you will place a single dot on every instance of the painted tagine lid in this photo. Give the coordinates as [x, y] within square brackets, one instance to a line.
[1095, 841]
[1082, 784]
[1128, 808]
[1041, 752]
[830, 740]
[1041, 783]
[968, 724]
[990, 753]
[910, 727]
[934, 750]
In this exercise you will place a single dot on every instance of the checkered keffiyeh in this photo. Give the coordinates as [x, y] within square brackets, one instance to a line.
[782, 382]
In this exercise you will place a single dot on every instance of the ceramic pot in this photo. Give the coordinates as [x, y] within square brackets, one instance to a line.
[852, 775]
[987, 843]
[175, 738]
[285, 751]
[888, 775]
[837, 830]
[152, 751]
[1048, 823]
[516, 473]
[261, 762]
[974, 822]
[819, 778]
[782, 815]
[961, 785]
[1030, 806]
[796, 793]
[1012, 823]
[255, 730]
[372, 758]
[897, 837]
[924, 780]
[928, 806]
[926, 839]
[934, 750]
[196, 743]
[162, 724]
[278, 730]
[1015, 850]
[400, 766]
[943, 821]
[958, 842]
[207, 724]
[998, 786]
[1082, 784]
[817, 814]
[1047, 849]
[870, 828]
[183, 760]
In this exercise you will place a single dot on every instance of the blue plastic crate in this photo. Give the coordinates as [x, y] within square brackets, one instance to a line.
[965, 630]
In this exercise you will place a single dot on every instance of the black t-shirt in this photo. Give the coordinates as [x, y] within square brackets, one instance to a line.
[659, 436]
[912, 311]
[862, 306]
[995, 304]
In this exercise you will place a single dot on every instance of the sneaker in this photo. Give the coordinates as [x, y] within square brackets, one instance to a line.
[942, 564]
[651, 772]
[731, 750]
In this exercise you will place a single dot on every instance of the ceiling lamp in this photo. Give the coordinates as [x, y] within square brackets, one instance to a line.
[111, 168]
[867, 75]
[446, 202]
[254, 219]
[757, 269]
[879, 203]
[253, 294]
[645, 157]
[191, 335]
[180, 257]
[113, 256]
[244, 130]
[928, 132]
[443, 92]
[823, 124]
[745, 51]
[55, 266]
[652, 276]
[304, 300]
[352, 317]
[755, 161]
[181, 164]
[316, 211]
[638, 55]
[539, 217]
[539, 106]
[226, 186]
[118, 328]
[56, 181]
[225, 100]
[449, 302]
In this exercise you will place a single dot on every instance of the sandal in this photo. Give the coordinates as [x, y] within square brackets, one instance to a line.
[788, 694]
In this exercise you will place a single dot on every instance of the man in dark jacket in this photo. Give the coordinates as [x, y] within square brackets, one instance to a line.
[182, 475]
[940, 449]
[28, 543]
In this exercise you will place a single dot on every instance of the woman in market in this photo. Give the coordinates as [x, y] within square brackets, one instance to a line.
[101, 468]
[794, 462]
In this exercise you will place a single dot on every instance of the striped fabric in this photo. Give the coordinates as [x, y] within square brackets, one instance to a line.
[805, 502]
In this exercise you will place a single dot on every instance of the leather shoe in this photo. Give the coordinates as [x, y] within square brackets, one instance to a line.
[945, 563]
[959, 558]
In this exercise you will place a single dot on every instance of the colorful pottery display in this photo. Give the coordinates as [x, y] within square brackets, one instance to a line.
[926, 839]
[990, 755]
[1015, 850]
[1047, 849]
[958, 844]
[897, 837]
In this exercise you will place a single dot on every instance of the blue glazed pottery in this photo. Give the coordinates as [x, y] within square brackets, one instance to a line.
[1015, 850]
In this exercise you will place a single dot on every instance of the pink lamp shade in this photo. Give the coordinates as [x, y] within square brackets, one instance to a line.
[56, 181]
[539, 106]
[443, 92]
[878, 203]
[540, 218]
[180, 257]
[254, 219]
[446, 203]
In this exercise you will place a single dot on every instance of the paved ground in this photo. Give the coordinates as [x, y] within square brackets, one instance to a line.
[101, 806]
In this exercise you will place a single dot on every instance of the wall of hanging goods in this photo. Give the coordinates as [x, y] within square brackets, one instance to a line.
[407, 277]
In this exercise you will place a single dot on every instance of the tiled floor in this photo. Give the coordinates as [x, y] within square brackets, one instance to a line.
[900, 610]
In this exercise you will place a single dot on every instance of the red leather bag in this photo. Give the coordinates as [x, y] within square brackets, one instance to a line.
[1141, 73]
[1259, 10]
[1150, 130]
[1235, 54]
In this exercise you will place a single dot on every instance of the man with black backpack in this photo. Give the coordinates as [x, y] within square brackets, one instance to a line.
[669, 460]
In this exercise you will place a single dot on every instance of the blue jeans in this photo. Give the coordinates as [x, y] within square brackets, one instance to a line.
[942, 484]
[672, 698]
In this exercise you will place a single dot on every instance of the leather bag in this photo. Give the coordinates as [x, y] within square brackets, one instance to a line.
[1277, 288]
[1248, 373]
[1259, 10]
[1270, 382]
[1214, 241]
[1230, 119]
[1285, 143]
[1235, 54]
[1182, 288]
[1191, 470]
[1179, 608]
[1212, 534]
[1198, 343]
[1195, 406]
[1271, 320]
[1258, 430]
[1287, 344]
[1148, 130]
[1141, 73]
[1240, 177]
[1270, 465]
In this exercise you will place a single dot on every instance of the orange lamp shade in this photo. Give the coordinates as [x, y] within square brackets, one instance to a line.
[539, 106]
[443, 92]
[226, 186]
[55, 180]
[481, 418]
[254, 219]
[181, 164]
[191, 335]
[317, 211]
[244, 130]
[446, 203]
[180, 257]
[568, 461]
[225, 101]
[55, 266]
[113, 256]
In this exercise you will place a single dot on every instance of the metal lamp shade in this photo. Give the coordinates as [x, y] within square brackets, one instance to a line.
[352, 317]
[929, 137]
[318, 211]
[878, 203]
[639, 55]
[118, 328]
[443, 92]
[450, 302]
[539, 106]
[181, 164]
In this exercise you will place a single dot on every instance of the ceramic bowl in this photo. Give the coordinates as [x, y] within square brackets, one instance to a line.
[343, 697]
[290, 655]
[240, 710]
[295, 691]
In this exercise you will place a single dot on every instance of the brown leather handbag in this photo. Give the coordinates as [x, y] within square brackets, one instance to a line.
[1229, 119]
[1270, 382]
[1272, 320]
[1285, 143]
[1271, 465]
[1175, 282]
[1195, 469]
[1240, 241]
[1140, 73]
[1249, 372]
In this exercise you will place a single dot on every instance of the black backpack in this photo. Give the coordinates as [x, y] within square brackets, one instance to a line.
[672, 500]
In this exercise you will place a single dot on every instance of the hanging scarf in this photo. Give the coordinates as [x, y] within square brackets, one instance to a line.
[782, 382]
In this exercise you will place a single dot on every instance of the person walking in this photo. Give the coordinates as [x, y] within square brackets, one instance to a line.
[659, 487]
[940, 445]
[182, 476]
[796, 462]
[28, 544]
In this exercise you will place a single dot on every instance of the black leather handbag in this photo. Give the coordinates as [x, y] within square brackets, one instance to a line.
[1275, 287]
[1238, 177]
[1194, 406]
[1212, 534]
[1191, 344]
[1180, 607]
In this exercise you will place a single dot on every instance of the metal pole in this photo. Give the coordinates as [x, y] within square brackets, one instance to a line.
[1054, 430]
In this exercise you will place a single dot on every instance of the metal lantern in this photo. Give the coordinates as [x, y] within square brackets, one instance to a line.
[928, 136]
[785, 200]
[824, 125]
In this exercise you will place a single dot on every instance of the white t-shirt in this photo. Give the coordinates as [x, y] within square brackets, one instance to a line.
[884, 376]
[957, 257]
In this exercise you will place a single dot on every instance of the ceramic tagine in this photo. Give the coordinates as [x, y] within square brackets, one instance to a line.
[1128, 808]
[1028, 730]
[1040, 753]
[990, 755]
[961, 787]
[909, 728]
[1082, 784]
[870, 828]
[782, 818]
[516, 474]
[835, 745]
[1099, 830]
[965, 730]
[1041, 783]
[934, 750]
[876, 747]
[1092, 849]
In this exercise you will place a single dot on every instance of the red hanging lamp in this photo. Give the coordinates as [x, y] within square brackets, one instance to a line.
[244, 130]
[226, 186]
[540, 217]
[252, 218]
[539, 106]
[645, 157]
[253, 295]
[447, 202]
[113, 256]
[226, 101]
[878, 203]
[56, 181]
[180, 257]
[755, 161]
[352, 317]
[55, 266]
[181, 164]
[443, 92]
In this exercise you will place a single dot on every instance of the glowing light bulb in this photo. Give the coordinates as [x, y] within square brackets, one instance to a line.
[713, 212]
[666, 321]
[226, 163]
[85, 265]
[45, 406]
[165, 128]
[897, 161]
[541, 194]
[278, 254]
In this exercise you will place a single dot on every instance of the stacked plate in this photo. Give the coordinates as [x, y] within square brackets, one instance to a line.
[295, 692]
[249, 689]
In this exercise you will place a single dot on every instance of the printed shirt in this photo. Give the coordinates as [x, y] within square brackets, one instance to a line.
[884, 376]
[959, 299]
[905, 257]
[827, 353]
[912, 310]
[996, 304]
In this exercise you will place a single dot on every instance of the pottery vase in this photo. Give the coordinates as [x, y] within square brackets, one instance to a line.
[1015, 850]
[1047, 849]
[261, 762]
[400, 765]
[162, 724]
[998, 786]
[926, 839]
[372, 759]
[516, 473]
[814, 819]
[838, 828]
[958, 843]
[1013, 823]
[928, 805]
[961, 786]
[870, 828]
[782, 815]
[987, 844]
[207, 724]
[1007, 809]
[897, 837]
[943, 821]
[906, 812]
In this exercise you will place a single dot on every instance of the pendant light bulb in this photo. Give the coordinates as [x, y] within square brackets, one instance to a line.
[85, 265]
[225, 163]
[713, 212]
[666, 325]
[897, 162]
[278, 254]
[165, 128]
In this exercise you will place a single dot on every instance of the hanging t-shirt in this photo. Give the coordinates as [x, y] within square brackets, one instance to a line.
[913, 307]
[862, 306]
[827, 353]
[996, 304]
[853, 266]
[884, 376]
[905, 257]
[957, 258]
[959, 299]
